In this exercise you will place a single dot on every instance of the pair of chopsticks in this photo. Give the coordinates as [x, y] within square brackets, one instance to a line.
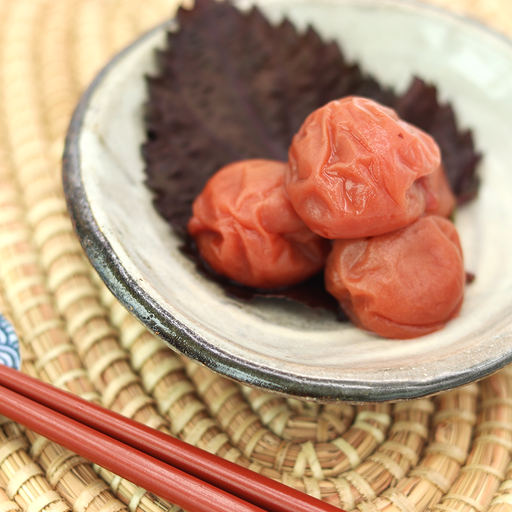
[186, 476]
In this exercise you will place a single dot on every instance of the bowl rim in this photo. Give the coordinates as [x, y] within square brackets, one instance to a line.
[182, 339]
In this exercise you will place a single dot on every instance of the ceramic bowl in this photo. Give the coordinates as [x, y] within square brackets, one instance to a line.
[276, 345]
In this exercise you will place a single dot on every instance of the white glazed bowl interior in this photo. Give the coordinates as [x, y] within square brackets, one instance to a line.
[281, 346]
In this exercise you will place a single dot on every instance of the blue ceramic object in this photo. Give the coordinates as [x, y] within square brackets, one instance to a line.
[9, 345]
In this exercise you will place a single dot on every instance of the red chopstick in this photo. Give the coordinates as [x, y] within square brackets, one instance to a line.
[196, 480]
[151, 474]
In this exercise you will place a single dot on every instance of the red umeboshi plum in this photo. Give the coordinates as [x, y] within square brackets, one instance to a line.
[402, 284]
[246, 229]
[354, 170]
[443, 192]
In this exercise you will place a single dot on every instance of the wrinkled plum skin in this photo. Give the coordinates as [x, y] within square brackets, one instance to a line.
[355, 169]
[402, 284]
[441, 188]
[364, 195]
[246, 229]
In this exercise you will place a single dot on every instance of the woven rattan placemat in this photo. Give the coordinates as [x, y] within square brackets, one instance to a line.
[450, 453]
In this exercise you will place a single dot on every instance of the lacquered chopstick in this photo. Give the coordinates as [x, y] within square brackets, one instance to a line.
[238, 481]
[151, 474]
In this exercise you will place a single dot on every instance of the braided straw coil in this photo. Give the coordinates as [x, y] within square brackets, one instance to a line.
[448, 454]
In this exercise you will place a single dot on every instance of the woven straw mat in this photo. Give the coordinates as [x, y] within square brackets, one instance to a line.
[450, 453]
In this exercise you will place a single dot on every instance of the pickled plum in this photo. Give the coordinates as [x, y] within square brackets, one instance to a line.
[402, 284]
[246, 229]
[444, 195]
[363, 194]
[355, 170]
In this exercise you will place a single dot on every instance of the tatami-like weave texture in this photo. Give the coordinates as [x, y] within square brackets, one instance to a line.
[449, 454]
